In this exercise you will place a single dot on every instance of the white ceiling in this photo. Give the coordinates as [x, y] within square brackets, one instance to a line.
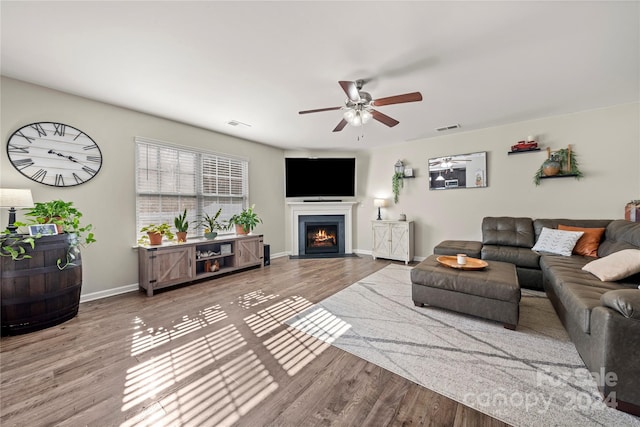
[205, 63]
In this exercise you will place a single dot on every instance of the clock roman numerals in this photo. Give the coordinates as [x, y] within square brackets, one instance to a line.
[30, 139]
[90, 171]
[59, 129]
[38, 127]
[23, 163]
[96, 159]
[16, 149]
[77, 178]
[59, 180]
[39, 175]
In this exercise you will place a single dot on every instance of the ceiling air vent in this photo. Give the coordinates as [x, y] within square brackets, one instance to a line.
[237, 123]
[443, 128]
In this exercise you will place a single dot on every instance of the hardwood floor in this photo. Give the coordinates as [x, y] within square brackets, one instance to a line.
[212, 353]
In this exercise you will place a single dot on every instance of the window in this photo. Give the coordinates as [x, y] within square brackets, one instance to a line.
[170, 179]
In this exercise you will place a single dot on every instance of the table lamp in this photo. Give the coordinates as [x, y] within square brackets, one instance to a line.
[13, 198]
[379, 203]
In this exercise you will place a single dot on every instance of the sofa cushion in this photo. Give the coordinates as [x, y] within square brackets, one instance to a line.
[620, 234]
[616, 266]
[521, 257]
[588, 244]
[557, 242]
[538, 224]
[508, 231]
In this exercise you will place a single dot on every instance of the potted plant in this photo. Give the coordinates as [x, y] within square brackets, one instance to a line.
[53, 212]
[560, 162]
[182, 225]
[155, 233]
[211, 224]
[397, 181]
[245, 221]
[67, 220]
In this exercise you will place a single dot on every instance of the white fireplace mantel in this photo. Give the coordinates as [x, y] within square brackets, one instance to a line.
[322, 208]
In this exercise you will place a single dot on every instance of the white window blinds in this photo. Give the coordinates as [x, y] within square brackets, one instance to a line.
[170, 179]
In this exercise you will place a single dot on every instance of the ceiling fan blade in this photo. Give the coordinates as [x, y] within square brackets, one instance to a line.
[318, 110]
[350, 89]
[383, 118]
[398, 99]
[340, 126]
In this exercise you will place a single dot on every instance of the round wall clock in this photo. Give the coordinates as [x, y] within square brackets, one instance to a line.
[54, 154]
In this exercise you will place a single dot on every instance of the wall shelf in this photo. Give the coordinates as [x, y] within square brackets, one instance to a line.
[523, 151]
[566, 175]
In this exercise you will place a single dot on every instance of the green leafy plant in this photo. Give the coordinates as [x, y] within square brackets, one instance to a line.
[181, 222]
[564, 156]
[67, 218]
[397, 182]
[164, 229]
[211, 223]
[247, 219]
[14, 245]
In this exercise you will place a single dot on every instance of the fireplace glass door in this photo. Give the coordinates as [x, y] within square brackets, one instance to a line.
[321, 238]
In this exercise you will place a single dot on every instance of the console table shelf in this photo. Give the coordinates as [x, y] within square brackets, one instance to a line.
[172, 264]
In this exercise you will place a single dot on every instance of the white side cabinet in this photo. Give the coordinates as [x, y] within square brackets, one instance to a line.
[393, 240]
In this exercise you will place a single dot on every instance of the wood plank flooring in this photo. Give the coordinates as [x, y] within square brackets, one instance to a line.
[212, 353]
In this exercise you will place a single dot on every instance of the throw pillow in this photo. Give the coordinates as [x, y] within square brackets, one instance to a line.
[616, 266]
[557, 242]
[588, 244]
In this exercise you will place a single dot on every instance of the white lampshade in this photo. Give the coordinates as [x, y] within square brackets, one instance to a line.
[379, 203]
[15, 198]
[366, 116]
[349, 115]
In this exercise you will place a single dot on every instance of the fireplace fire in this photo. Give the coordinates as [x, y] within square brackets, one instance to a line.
[321, 238]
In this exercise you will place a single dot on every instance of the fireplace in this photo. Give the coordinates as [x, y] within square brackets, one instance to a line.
[323, 211]
[321, 235]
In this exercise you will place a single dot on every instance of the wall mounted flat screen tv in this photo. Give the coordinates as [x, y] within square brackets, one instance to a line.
[320, 177]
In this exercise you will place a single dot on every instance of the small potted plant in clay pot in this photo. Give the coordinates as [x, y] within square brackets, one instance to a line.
[245, 221]
[182, 225]
[155, 233]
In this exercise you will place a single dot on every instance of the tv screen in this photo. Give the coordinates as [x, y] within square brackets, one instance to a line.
[320, 177]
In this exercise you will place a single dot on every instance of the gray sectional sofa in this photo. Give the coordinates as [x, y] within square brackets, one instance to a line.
[601, 317]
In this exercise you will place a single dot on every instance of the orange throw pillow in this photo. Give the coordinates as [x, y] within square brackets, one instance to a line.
[588, 244]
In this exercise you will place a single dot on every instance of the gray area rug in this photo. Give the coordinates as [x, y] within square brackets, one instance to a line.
[529, 377]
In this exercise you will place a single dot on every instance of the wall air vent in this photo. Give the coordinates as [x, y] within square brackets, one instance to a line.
[456, 126]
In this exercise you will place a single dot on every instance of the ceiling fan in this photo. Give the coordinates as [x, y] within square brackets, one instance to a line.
[446, 162]
[359, 105]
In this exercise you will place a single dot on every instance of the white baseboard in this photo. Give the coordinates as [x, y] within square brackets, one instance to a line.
[108, 293]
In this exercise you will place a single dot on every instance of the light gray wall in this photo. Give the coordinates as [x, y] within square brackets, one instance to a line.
[108, 200]
[606, 142]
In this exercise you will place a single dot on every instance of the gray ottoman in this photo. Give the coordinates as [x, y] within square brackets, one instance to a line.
[492, 293]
